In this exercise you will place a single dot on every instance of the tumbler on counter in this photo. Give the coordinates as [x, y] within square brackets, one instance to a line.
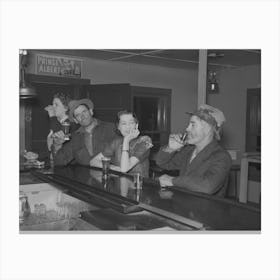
[105, 181]
[138, 194]
[105, 165]
[105, 176]
[24, 207]
[138, 181]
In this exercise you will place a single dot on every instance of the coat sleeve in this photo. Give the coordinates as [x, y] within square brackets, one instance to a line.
[170, 161]
[73, 127]
[211, 180]
[64, 155]
[142, 148]
[54, 124]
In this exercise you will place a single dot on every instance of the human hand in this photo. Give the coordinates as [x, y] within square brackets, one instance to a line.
[165, 180]
[175, 142]
[50, 140]
[132, 135]
[50, 110]
[58, 137]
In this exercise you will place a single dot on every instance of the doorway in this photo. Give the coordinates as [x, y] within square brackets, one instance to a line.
[253, 120]
[152, 108]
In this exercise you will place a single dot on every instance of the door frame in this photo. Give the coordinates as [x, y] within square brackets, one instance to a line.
[164, 113]
[257, 117]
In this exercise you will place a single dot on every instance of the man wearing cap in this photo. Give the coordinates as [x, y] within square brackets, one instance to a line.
[86, 142]
[203, 164]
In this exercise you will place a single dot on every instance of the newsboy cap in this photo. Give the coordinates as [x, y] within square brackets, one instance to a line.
[212, 116]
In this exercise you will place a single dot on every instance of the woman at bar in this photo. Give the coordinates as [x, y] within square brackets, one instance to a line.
[58, 114]
[129, 152]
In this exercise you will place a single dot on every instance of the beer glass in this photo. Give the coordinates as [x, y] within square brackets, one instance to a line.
[66, 130]
[105, 165]
[138, 181]
[184, 136]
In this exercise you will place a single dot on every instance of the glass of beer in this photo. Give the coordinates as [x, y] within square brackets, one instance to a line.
[105, 165]
[66, 130]
[184, 136]
[138, 181]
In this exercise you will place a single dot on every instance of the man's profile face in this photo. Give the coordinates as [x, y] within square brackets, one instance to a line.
[83, 115]
[197, 130]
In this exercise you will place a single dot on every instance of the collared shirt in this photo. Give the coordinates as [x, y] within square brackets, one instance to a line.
[88, 136]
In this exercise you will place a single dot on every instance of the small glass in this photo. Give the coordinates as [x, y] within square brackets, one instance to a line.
[105, 181]
[105, 165]
[184, 136]
[24, 208]
[138, 181]
[66, 130]
[138, 194]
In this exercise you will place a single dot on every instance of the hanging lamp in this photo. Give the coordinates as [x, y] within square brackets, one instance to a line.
[25, 91]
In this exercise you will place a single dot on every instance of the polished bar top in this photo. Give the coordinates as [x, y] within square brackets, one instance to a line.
[201, 210]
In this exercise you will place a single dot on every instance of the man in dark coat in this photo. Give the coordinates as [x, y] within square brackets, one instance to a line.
[86, 142]
[203, 164]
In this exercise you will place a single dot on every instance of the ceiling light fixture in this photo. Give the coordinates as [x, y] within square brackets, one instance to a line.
[25, 92]
[213, 86]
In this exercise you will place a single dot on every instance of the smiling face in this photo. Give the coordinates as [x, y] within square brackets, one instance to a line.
[59, 109]
[197, 130]
[83, 115]
[126, 124]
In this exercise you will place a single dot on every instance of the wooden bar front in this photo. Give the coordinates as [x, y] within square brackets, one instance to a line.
[115, 203]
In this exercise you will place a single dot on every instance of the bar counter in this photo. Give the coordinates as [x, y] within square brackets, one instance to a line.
[88, 200]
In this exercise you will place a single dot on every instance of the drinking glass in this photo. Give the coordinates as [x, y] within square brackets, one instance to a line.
[105, 165]
[138, 181]
[184, 136]
[66, 130]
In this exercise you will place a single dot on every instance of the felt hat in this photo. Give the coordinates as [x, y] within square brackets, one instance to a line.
[73, 104]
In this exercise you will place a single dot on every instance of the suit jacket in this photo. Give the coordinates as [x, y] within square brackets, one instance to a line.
[207, 172]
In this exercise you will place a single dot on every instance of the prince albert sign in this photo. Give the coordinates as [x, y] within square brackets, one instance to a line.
[58, 66]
